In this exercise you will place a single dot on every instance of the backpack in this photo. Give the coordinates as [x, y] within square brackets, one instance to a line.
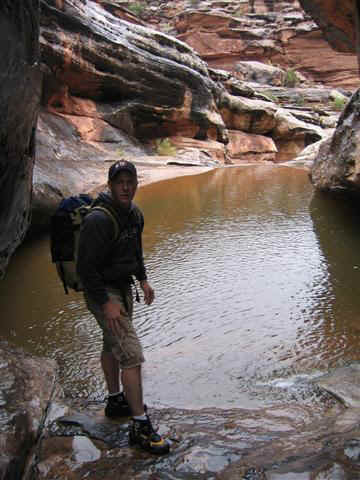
[65, 233]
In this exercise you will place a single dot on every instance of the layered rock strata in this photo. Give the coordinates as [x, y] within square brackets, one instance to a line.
[19, 101]
[224, 36]
[338, 23]
[110, 86]
[154, 79]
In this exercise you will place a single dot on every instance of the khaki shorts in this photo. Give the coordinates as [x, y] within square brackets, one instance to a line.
[127, 348]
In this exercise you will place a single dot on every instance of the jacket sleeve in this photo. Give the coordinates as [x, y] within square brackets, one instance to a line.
[95, 241]
[141, 275]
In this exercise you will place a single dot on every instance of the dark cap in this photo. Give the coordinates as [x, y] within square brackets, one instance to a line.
[121, 166]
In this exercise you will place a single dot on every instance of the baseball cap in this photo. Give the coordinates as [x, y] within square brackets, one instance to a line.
[121, 166]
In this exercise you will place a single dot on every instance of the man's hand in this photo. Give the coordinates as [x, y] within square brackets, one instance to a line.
[113, 312]
[149, 294]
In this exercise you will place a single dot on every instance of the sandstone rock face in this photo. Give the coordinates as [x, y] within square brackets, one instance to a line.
[287, 38]
[19, 101]
[108, 83]
[244, 147]
[337, 166]
[249, 115]
[73, 155]
[260, 73]
[337, 21]
[26, 387]
[154, 78]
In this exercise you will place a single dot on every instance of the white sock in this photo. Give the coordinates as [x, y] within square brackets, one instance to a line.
[140, 417]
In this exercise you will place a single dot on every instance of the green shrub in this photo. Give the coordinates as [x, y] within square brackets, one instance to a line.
[164, 147]
[194, 3]
[291, 79]
[137, 8]
[339, 103]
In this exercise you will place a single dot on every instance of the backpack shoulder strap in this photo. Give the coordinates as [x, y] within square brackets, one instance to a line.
[112, 216]
[138, 215]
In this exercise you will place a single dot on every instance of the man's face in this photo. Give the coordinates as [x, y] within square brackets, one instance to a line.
[123, 188]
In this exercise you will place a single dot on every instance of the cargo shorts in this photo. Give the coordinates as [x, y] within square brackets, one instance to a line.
[127, 348]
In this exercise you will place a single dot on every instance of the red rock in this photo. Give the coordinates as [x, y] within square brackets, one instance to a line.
[245, 147]
[313, 57]
[216, 150]
[288, 40]
[337, 21]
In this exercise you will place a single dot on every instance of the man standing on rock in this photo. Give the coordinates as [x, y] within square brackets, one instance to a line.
[109, 255]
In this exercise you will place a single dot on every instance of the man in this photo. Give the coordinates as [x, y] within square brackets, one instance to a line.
[109, 255]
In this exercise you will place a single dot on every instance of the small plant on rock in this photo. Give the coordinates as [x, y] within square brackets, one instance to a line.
[339, 103]
[291, 79]
[165, 147]
[137, 8]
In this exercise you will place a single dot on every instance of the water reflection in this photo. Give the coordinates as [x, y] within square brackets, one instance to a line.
[337, 226]
[246, 293]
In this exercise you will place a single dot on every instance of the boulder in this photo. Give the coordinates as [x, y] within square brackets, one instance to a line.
[190, 151]
[19, 102]
[291, 135]
[248, 115]
[246, 147]
[337, 166]
[260, 73]
[27, 385]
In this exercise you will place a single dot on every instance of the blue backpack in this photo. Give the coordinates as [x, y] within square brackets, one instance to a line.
[64, 238]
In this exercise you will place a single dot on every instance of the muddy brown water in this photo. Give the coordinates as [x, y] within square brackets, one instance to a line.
[256, 293]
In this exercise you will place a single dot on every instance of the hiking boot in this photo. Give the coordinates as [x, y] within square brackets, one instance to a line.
[118, 407]
[141, 433]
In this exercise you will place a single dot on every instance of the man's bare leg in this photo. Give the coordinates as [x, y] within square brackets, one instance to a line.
[132, 383]
[110, 366]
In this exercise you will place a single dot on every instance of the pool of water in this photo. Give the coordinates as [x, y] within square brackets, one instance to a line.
[256, 293]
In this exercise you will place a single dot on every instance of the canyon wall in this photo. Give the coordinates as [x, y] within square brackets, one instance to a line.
[19, 102]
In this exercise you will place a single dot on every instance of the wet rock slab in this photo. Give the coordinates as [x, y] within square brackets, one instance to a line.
[344, 384]
[278, 442]
[57, 438]
[27, 384]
